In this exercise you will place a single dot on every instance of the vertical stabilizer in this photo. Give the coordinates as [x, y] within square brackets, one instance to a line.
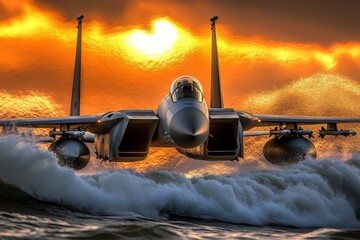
[216, 97]
[75, 97]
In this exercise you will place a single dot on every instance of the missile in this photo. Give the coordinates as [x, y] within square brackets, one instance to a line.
[77, 134]
[323, 133]
[284, 132]
[303, 132]
[292, 132]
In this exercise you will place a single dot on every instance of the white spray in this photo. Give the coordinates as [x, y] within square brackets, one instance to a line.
[322, 193]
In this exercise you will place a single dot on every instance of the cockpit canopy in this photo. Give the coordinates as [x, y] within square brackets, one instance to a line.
[186, 87]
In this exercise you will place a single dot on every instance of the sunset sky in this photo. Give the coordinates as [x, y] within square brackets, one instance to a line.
[132, 50]
[276, 57]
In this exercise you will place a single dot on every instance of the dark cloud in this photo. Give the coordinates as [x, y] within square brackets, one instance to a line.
[316, 21]
[322, 21]
[108, 10]
[7, 12]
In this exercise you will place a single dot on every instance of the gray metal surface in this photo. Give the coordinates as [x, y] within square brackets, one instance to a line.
[71, 152]
[271, 120]
[189, 127]
[73, 121]
[216, 100]
[75, 96]
[287, 150]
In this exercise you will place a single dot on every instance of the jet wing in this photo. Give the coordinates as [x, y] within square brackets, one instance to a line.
[97, 124]
[271, 120]
[256, 120]
[72, 122]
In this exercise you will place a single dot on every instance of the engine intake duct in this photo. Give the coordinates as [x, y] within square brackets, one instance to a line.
[128, 140]
[223, 142]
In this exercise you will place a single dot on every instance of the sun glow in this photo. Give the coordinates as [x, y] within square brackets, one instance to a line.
[27, 25]
[165, 44]
[161, 40]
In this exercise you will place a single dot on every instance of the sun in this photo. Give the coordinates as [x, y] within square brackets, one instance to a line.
[160, 40]
[164, 44]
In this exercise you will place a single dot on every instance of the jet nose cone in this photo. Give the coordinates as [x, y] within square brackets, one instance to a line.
[189, 128]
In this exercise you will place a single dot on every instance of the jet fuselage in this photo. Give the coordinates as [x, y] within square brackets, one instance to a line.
[183, 115]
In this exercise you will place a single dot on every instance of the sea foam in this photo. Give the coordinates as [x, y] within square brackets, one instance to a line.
[314, 193]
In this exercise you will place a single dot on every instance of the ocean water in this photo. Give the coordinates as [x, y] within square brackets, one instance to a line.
[40, 200]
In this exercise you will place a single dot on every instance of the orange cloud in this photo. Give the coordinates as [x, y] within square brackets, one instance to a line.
[121, 64]
[28, 104]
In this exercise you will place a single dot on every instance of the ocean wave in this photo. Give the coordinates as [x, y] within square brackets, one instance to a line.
[313, 193]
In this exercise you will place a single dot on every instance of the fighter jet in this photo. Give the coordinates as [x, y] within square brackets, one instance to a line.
[182, 121]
